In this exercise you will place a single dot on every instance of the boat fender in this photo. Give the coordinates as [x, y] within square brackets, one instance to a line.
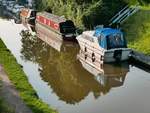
[93, 57]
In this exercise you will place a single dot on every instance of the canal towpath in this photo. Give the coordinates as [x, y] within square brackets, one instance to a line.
[11, 95]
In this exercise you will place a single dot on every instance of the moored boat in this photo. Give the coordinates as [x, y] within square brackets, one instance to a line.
[104, 44]
[60, 25]
[28, 16]
[51, 38]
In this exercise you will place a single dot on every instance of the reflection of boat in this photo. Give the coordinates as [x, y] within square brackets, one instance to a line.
[112, 74]
[104, 43]
[68, 80]
[65, 77]
[60, 25]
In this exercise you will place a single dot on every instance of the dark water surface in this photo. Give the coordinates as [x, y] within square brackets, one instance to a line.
[64, 82]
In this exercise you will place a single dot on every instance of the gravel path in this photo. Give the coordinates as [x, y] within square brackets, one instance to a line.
[11, 95]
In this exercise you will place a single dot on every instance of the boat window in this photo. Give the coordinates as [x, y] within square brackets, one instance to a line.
[33, 13]
[102, 41]
[115, 41]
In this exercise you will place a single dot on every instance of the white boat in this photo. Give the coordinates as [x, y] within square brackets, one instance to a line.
[104, 45]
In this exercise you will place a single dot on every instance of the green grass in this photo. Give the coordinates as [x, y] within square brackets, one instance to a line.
[137, 29]
[20, 81]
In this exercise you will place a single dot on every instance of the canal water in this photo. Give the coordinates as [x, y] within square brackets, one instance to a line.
[70, 85]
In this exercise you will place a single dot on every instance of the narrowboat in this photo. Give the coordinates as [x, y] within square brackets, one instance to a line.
[28, 16]
[104, 44]
[49, 37]
[60, 25]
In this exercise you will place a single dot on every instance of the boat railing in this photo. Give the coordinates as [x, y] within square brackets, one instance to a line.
[124, 17]
[120, 12]
[124, 14]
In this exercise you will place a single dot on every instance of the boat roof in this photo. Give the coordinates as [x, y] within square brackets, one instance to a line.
[106, 31]
[53, 17]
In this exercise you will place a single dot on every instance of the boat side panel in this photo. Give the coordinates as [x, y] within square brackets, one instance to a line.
[109, 55]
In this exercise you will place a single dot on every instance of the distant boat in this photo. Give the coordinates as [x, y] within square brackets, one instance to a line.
[28, 16]
[58, 24]
[104, 45]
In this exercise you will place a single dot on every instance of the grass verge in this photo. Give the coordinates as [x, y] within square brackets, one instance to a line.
[20, 81]
[137, 29]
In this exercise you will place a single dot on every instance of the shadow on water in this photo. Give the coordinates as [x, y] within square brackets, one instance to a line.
[66, 75]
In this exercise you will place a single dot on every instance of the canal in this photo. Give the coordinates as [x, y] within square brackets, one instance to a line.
[70, 85]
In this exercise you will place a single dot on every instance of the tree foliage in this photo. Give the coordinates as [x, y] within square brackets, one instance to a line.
[86, 13]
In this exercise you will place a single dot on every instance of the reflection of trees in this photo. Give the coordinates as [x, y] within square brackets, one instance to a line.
[30, 49]
[69, 81]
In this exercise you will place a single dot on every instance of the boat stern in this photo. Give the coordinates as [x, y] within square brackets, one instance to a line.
[117, 55]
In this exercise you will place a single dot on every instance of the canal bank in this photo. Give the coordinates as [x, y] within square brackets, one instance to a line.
[20, 81]
[140, 59]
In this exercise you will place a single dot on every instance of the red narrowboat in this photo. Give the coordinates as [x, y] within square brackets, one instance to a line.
[58, 24]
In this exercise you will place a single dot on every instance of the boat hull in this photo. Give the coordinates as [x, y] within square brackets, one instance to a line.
[103, 55]
[117, 55]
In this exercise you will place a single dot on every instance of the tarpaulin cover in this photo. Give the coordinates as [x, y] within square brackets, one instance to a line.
[110, 38]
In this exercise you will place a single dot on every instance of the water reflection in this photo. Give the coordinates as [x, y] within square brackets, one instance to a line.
[112, 75]
[58, 65]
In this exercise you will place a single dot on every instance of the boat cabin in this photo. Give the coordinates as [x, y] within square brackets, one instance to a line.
[106, 43]
[58, 24]
[109, 38]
